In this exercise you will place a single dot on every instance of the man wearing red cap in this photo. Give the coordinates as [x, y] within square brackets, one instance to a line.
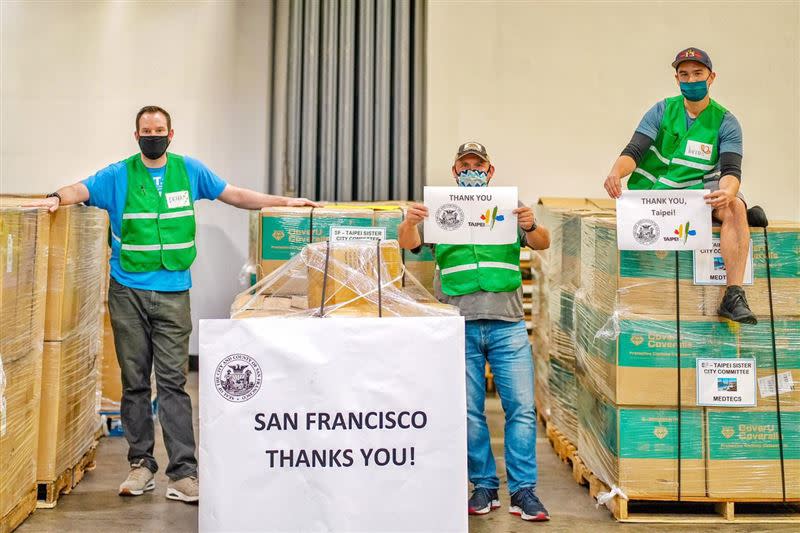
[692, 142]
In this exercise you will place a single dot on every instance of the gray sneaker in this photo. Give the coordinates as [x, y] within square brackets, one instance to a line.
[139, 480]
[186, 489]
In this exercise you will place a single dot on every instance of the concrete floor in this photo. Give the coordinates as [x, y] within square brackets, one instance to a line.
[95, 507]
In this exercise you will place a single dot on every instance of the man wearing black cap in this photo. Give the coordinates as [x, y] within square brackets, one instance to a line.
[692, 142]
[484, 282]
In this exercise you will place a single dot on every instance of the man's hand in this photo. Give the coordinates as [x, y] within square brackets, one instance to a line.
[720, 199]
[51, 203]
[301, 202]
[525, 217]
[613, 186]
[416, 213]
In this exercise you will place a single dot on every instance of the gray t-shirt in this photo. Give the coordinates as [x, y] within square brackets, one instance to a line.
[482, 305]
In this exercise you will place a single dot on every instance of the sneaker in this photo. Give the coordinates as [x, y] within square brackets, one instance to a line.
[483, 500]
[734, 306]
[186, 489]
[526, 505]
[140, 479]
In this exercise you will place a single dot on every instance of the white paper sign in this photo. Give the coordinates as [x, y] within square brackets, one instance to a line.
[178, 199]
[355, 234]
[663, 220]
[766, 385]
[709, 268]
[335, 424]
[726, 382]
[471, 215]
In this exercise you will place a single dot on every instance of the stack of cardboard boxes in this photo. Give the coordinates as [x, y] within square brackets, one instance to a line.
[562, 216]
[626, 343]
[24, 236]
[283, 231]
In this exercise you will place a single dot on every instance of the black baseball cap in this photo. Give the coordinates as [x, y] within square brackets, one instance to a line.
[692, 54]
[472, 148]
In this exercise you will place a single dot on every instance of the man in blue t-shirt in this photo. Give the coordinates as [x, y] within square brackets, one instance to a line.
[150, 199]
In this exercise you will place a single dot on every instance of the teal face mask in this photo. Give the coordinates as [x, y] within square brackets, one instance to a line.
[472, 178]
[694, 91]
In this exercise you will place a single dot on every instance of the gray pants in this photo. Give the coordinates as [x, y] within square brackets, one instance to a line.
[151, 329]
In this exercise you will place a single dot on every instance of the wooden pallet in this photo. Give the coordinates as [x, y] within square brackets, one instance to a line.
[664, 510]
[48, 492]
[18, 513]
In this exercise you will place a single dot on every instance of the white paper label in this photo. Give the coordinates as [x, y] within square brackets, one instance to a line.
[726, 382]
[699, 150]
[471, 215]
[177, 199]
[663, 220]
[766, 385]
[355, 234]
[329, 417]
[709, 268]
[10, 254]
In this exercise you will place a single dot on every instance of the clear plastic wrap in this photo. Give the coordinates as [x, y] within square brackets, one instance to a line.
[358, 279]
[626, 316]
[24, 235]
[535, 294]
[562, 216]
[281, 232]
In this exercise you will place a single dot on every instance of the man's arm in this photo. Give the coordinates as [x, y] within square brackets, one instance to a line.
[71, 194]
[538, 239]
[247, 199]
[408, 232]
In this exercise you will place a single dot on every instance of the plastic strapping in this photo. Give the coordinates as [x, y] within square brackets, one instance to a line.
[678, 344]
[325, 278]
[380, 290]
[604, 497]
[775, 368]
[311, 227]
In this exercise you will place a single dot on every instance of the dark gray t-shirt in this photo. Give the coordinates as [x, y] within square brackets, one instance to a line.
[482, 305]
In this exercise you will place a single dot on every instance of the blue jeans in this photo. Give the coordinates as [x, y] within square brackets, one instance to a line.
[507, 348]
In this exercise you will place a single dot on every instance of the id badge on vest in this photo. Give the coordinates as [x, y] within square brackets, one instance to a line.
[699, 150]
[178, 199]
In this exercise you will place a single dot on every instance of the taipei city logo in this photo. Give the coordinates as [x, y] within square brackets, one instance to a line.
[684, 232]
[238, 377]
[490, 217]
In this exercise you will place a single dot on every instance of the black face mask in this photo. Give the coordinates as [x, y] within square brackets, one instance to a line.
[153, 146]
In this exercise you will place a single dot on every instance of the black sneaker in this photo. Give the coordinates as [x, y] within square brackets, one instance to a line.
[483, 500]
[734, 306]
[526, 505]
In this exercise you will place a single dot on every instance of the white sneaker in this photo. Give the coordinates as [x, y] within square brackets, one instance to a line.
[140, 479]
[186, 489]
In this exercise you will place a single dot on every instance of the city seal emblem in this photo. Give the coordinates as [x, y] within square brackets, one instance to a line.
[238, 377]
[646, 232]
[449, 217]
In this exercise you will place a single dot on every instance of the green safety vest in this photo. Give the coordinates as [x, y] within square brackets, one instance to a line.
[158, 230]
[469, 268]
[681, 158]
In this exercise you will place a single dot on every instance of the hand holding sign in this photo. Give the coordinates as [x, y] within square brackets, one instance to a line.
[464, 215]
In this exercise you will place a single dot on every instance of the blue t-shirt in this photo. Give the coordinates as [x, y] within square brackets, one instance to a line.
[730, 132]
[108, 190]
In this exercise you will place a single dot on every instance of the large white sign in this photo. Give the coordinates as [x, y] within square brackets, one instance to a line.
[334, 424]
[726, 382]
[709, 268]
[663, 220]
[471, 215]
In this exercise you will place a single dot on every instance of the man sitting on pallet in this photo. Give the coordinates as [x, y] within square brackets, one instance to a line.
[490, 299]
[691, 142]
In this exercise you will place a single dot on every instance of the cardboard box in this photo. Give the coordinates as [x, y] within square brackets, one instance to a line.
[68, 416]
[744, 456]
[77, 269]
[24, 235]
[636, 448]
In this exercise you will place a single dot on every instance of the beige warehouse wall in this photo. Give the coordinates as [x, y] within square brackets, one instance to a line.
[75, 73]
[555, 89]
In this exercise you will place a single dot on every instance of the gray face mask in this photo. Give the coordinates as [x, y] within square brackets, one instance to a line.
[153, 146]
